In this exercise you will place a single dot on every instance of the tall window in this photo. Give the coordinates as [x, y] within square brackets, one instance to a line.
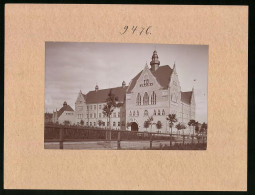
[138, 99]
[114, 124]
[158, 112]
[130, 113]
[163, 112]
[155, 113]
[145, 99]
[95, 115]
[146, 113]
[137, 113]
[146, 80]
[153, 98]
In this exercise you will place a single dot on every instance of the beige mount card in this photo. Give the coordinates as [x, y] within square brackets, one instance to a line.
[222, 167]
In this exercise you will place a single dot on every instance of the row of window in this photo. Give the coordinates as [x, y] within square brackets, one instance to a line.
[95, 107]
[68, 113]
[146, 99]
[103, 124]
[146, 113]
[100, 115]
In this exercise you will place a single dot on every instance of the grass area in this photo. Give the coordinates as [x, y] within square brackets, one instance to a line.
[180, 146]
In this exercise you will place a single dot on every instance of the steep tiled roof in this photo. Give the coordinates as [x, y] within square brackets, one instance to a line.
[186, 97]
[100, 96]
[64, 108]
[162, 74]
[133, 82]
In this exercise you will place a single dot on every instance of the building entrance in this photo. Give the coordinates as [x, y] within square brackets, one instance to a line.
[134, 126]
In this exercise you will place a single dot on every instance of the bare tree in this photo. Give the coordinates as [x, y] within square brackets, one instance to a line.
[111, 104]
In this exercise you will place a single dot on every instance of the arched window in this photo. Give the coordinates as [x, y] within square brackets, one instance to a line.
[163, 112]
[158, 112]
[145, 99]
[155, 113]
[153, 98]
[137, 113]
[146, 113]
[138, 99]
[134, 113]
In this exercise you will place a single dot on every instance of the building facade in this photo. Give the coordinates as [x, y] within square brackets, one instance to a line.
[154, 92]
[89, 108]
[65, 115]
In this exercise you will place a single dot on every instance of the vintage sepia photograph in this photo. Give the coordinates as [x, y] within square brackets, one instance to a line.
[125, 96]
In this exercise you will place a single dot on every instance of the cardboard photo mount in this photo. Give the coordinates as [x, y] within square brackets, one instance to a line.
[222, 167]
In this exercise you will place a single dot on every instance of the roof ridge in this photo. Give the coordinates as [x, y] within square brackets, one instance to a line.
[107, 89]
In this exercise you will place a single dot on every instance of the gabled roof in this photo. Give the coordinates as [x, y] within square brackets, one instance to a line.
[100, 96]
[162, 74]
[186, 97]
[63, 109]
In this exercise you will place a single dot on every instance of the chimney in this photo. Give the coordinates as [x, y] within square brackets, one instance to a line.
[123, 84]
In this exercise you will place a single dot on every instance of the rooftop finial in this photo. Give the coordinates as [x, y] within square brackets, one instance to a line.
[96, 88]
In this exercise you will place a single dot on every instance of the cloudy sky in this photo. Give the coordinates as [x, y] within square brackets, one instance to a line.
[71, 67]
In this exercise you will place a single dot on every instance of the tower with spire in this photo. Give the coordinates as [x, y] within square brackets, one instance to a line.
[154, 61]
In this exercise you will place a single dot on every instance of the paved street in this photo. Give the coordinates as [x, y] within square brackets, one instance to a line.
[103, 145]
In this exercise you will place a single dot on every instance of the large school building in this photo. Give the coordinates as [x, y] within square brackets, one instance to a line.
[154, 92]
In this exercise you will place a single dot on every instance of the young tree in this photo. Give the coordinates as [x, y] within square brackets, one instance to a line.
[100, 122]
[171, 120]
[150, 121]
[181, 126]
[146, 124]
[159, 125]
[192, 123]
[203, 129]
[82, 122]
[178, 126]
[197, 130]
[111, 104]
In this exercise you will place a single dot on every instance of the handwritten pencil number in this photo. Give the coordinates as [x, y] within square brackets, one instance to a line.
[136, 30]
